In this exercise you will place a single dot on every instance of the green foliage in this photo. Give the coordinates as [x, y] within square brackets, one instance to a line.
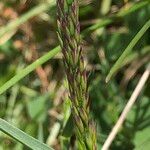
[32, 88]
[39, 112]
[141, 140]
[14, 24]
[128, 50]
[21, 74]
[21, 136]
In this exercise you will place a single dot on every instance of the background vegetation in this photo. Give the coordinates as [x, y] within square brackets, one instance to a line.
[38, 104]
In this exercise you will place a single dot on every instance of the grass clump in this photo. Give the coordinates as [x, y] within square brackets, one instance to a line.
[34, 99]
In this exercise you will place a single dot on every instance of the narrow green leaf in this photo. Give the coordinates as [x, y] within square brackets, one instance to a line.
[136, 54]
[16, 23]
[124, 12]
[43, 7]
[22, 73]
[22, 137]
[133, 8]
[129, 48]
[35, 11]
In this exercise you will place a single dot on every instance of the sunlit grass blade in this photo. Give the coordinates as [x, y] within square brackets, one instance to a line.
[144, 51]
[122, 13]
[43, 7]
[22, 137]
[129, 48]
[22, 73]
[22, 19]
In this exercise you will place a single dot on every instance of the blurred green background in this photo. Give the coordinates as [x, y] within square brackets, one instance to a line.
[39, 105]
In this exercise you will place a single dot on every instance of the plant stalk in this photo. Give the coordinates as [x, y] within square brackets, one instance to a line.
[70, 42]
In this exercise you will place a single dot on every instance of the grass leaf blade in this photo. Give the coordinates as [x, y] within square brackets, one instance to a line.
[22, 19]
[22, 137]
[21, 74]
[129, 48]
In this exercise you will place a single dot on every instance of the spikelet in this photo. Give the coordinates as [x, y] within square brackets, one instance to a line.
[70, 42]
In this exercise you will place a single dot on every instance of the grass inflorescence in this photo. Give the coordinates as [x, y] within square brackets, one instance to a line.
[70, 41]
[116, 44]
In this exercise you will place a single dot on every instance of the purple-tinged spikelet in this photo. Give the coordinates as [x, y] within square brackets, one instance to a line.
[70, 42]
